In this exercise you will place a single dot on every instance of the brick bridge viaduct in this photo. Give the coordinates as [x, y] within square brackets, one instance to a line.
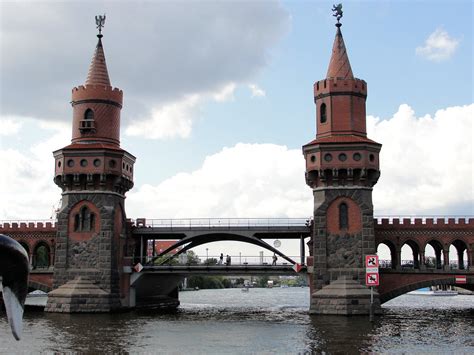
[38, 238]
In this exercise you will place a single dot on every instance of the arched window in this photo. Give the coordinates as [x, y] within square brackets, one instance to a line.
[84, 221]
[89, 114]
[343, 216]
[322, 113]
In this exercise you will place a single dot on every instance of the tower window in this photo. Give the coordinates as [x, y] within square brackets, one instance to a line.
[343, 216]
[88, 123]
[322, 113]
[84, 221]
[89, 114]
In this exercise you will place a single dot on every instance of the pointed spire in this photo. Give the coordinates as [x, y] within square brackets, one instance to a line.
[98, 74]
[339, 66]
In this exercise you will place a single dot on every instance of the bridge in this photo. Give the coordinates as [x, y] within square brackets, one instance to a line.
[396, 275]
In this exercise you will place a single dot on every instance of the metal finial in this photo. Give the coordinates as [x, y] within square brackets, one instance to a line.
[100, 22]
[337, 9]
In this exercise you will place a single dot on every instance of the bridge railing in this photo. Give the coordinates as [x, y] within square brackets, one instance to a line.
[221, 222]
[235, 260]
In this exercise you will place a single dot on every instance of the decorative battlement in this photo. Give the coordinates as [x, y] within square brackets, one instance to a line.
[340, 86]
[35, 226]
[401, 223]
[87, 92]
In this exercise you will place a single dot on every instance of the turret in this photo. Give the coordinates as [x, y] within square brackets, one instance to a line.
[341, 154]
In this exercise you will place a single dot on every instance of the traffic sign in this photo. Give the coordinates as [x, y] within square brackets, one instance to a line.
[138, 267]
[372, 279]
[371, 261]
[297, 267]
[461, 279]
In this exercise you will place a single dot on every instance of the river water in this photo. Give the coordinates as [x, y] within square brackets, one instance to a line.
[261, 321]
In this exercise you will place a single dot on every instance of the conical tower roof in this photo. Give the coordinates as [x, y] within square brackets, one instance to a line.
[339, 66]
[98, 74]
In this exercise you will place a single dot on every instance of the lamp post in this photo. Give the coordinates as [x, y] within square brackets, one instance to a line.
[207, 256]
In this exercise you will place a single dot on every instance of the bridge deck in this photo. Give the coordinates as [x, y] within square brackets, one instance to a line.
[221, 270]
[288, 228]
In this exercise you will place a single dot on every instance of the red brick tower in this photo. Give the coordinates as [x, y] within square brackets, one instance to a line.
[342, 166]
[94, 174]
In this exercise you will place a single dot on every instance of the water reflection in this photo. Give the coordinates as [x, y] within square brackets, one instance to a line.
[261, 321]
[332, 334]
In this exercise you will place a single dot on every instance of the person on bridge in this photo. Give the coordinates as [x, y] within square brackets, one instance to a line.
[221, 259]
[274, 259]
[227, 260]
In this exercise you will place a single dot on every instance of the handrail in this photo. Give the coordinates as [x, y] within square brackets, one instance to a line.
[220, 222]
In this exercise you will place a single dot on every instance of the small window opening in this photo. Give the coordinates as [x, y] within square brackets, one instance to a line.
[343, 216]
[322, 113]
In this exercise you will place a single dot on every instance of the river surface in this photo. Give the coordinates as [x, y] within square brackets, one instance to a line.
[261, 321]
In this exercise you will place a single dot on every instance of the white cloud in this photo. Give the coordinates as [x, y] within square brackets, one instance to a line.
[9, 126]
[26, 183]
[426, 162]
[176, 119]
[174, 51]
[247, 180]
[438, 46]
[256, 90]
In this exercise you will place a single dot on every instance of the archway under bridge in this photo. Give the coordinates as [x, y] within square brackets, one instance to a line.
[190, 233]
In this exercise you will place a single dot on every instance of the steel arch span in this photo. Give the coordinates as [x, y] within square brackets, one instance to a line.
[193, 241]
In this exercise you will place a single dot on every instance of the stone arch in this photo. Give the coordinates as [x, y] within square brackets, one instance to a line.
[461, 247]
[405, 288]
[393, 254]
[435, 263]
[415, 248]
[41, 257]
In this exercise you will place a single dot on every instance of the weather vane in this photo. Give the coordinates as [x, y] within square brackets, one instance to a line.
[337, 9]
[100, 22]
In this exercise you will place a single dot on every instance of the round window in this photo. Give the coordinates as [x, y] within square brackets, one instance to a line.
[83, 162]
[70, 163]
[96, 162]
[371, 157]
[59, 164]
[342, 157]
[328, 157]
[313, 158]
[357, 156]
[112, 163]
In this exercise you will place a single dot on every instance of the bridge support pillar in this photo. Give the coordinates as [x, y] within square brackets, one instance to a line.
[344, 296]
[342, 237]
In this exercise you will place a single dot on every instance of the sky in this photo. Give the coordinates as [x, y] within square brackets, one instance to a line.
[218, 101]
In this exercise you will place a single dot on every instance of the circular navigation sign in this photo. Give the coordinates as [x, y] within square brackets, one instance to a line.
[277, 243]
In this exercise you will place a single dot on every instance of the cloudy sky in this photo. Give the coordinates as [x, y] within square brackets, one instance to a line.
[218, 101]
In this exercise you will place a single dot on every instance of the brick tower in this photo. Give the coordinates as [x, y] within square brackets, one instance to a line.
[94, 174]
[342, 166]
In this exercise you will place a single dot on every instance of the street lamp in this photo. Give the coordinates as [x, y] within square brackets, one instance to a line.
[207, 256]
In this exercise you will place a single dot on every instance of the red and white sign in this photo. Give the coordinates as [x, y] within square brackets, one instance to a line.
[372, 279]
[297, 267]
[138, 267]
[461, 279]
[371, 261]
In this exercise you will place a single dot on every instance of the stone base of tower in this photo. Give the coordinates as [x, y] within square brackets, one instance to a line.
[345, 297]
[80, 295]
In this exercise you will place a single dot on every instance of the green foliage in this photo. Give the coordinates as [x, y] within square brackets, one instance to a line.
[210, 261]
[162, 259]
[212, 282]
[262, 281]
